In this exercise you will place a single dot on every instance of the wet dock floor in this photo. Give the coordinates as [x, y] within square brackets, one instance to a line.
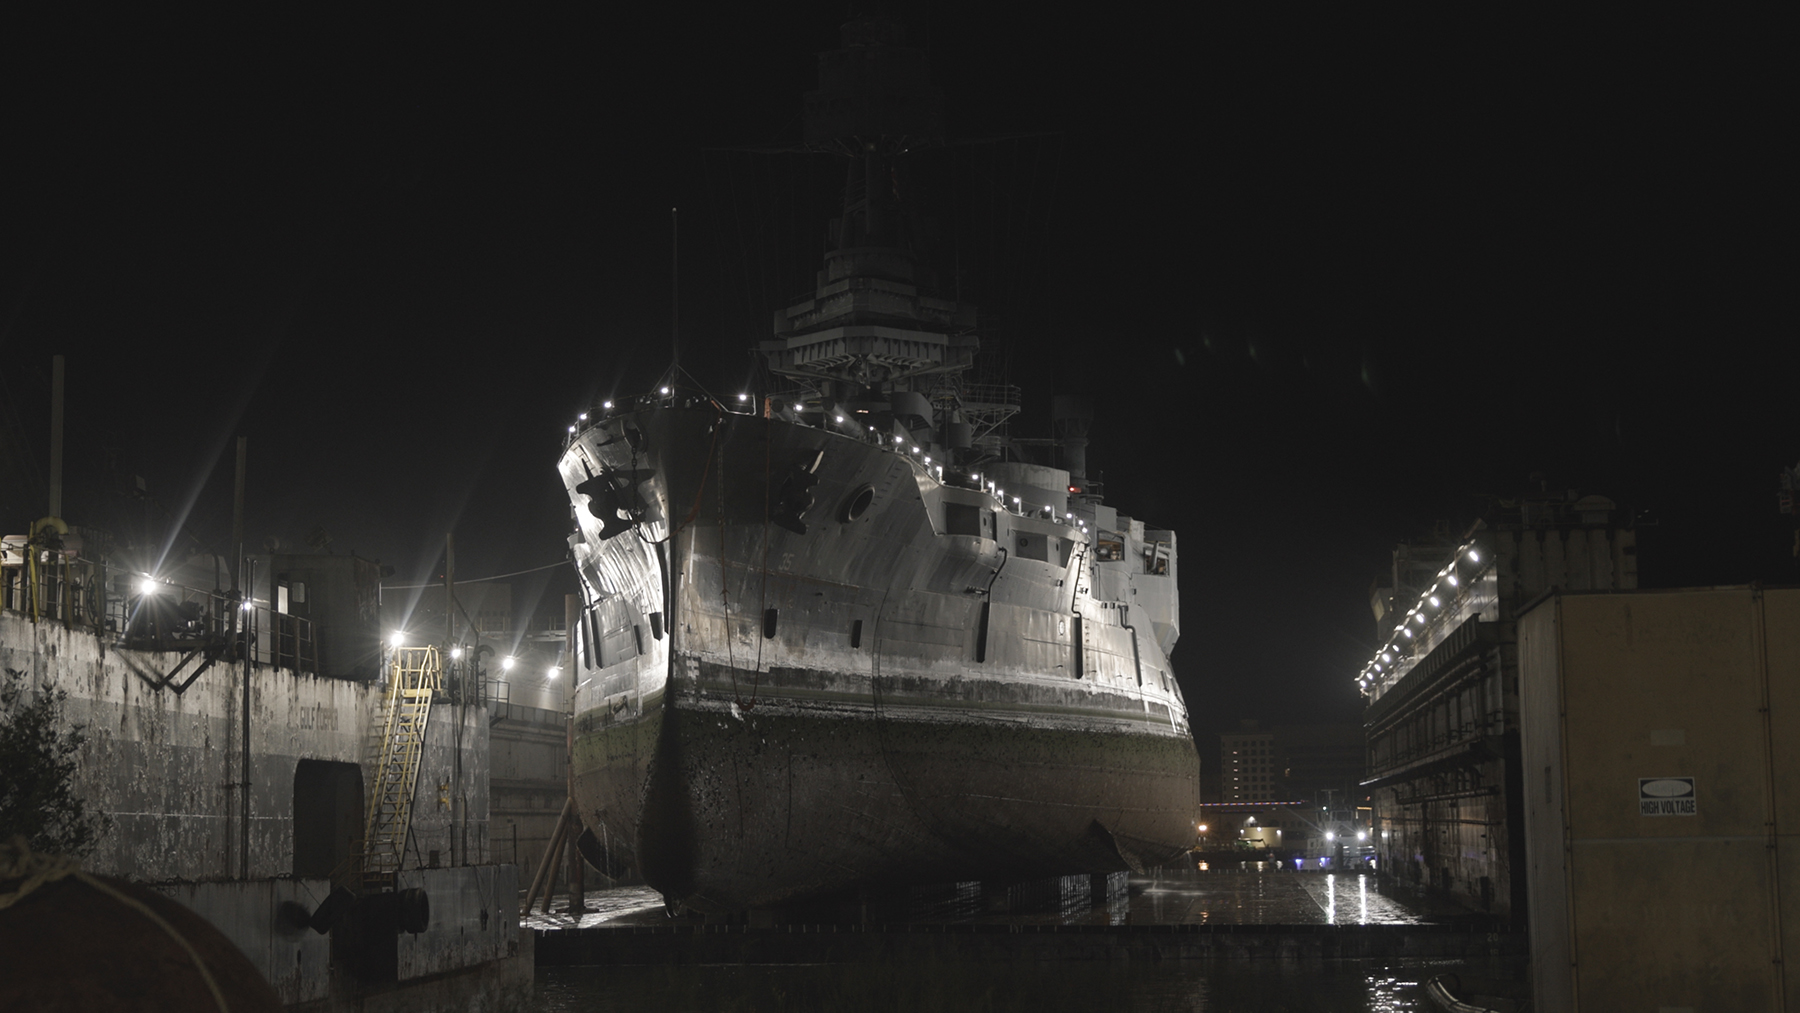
[1163, 897]
[1328, 987]
[1209, 941]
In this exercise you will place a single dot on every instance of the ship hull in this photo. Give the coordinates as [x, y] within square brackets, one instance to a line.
[872, 700]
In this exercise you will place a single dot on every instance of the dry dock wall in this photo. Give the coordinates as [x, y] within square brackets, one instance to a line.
[167, 767]
[1661, 755]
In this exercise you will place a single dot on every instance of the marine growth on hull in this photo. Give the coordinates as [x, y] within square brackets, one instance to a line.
[844, 628]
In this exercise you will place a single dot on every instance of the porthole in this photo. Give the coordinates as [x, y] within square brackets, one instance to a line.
[856, 504]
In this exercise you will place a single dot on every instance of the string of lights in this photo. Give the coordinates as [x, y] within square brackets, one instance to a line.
[583, 422]
[1433, 602]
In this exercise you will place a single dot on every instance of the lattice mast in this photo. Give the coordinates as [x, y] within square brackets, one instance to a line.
[879, 339]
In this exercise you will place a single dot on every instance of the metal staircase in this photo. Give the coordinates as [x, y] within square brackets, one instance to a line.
[417, 674]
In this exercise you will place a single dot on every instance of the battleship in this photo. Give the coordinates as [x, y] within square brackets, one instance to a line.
[845, 631]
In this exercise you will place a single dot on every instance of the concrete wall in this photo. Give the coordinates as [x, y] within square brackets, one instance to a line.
[167, 767]
[529, 782]
[266, 919]
[474, 918]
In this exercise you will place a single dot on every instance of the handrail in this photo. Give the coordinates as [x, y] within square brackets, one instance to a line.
[110, 602]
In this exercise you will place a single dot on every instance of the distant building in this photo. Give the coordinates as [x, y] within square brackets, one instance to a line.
[1288, 830]
[1291, 763]
[1442, 715]
[1247, 771]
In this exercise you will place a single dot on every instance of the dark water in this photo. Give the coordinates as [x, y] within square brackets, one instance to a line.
[1343, 986]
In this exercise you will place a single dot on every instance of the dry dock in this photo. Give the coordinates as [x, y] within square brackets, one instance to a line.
[1173, 915]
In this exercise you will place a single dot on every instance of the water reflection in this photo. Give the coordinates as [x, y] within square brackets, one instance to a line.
[1262, 893]
[1340, 986]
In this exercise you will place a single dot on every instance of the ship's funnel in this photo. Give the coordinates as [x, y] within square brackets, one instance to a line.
[1071, 414]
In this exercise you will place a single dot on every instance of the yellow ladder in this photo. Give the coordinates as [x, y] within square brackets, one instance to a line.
[416, 674]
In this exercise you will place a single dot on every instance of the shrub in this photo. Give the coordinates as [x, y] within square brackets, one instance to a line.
[37, 772]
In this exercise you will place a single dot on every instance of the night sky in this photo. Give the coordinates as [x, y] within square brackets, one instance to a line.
[1329, 280]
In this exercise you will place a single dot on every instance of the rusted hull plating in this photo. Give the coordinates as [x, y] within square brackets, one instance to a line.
[765, 715]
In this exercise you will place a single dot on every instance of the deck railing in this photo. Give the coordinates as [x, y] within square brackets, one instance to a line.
[132, 612]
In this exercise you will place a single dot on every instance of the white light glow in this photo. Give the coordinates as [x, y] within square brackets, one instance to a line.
[743, 397]
[582, 417]
[507, 663]
[397, 640]
[1452, 580]
[606, 404]
[1408, 633]
[665, 390]
[147, 586]
[455, 653]
[1434, 601]
[571, 429]
[552, 672]
[1362, 835]
[1474, 557]
[1387, 657]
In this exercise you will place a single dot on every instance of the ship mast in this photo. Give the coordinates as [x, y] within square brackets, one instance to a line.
[878, 340]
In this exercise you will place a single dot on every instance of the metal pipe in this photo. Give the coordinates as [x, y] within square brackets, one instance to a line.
[237, 598]
[244, 786]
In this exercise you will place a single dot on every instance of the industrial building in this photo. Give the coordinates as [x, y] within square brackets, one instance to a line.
[1442, 692]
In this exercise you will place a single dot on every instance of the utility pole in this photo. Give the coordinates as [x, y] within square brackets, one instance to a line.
[242, 619]
[456, 854]
[56, 435]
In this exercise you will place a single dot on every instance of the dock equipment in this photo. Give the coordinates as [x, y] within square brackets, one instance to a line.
[415, 675]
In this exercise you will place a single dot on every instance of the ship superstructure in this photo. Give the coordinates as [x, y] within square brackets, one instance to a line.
[843, 634]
